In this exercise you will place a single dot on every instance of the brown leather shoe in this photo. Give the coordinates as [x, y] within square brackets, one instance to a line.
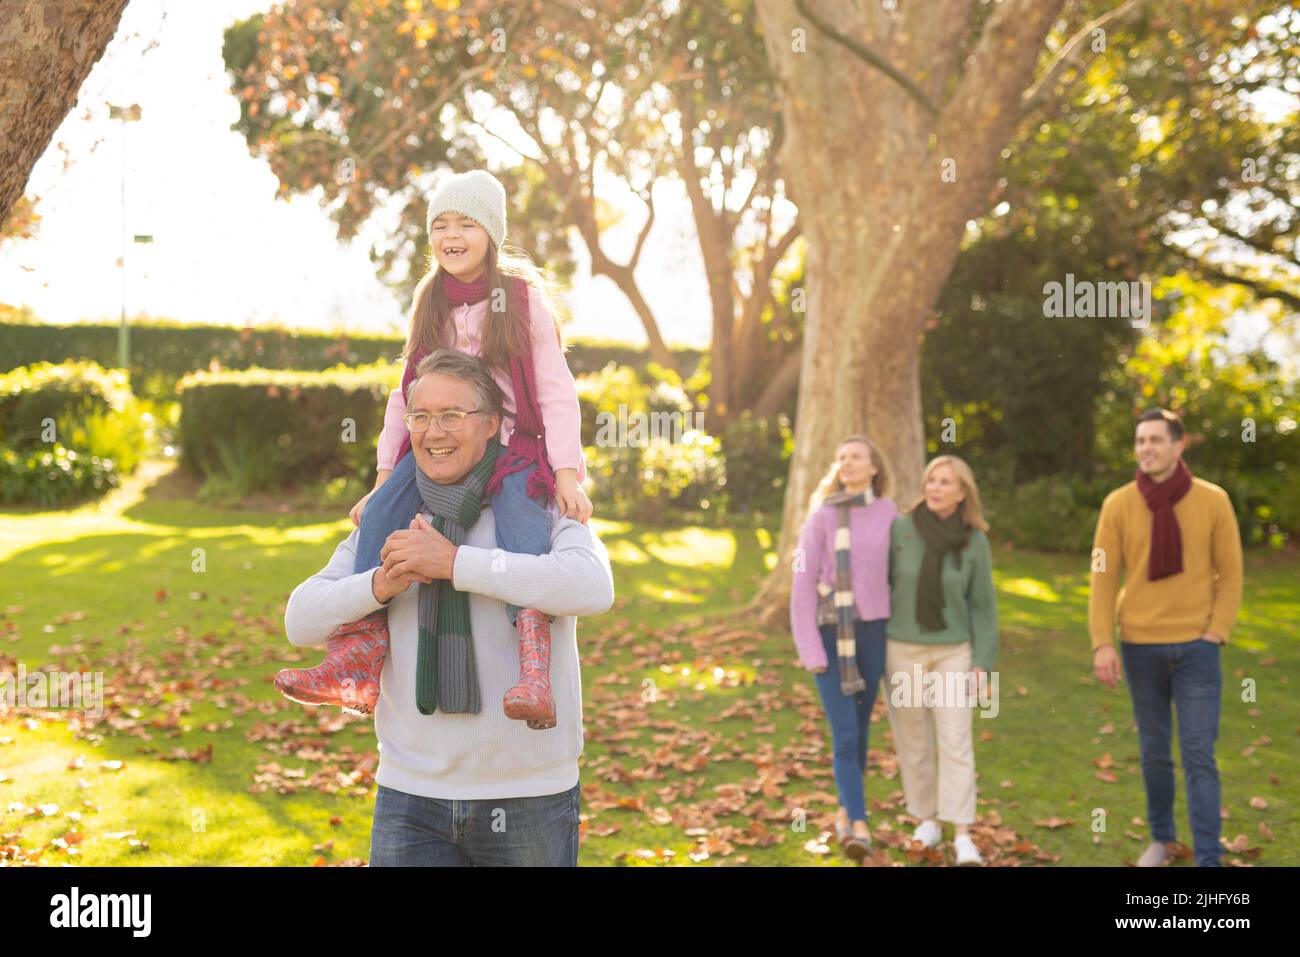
[856, 847]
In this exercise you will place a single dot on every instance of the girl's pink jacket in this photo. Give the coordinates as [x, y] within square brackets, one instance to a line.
[556, 392]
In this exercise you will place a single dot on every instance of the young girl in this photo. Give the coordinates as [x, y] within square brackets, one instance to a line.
[486, 302]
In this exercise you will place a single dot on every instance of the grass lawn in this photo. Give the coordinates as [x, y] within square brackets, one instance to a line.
[705, 740]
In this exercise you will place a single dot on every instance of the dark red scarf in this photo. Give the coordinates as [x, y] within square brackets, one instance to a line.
[528, 439]
[1166, 540]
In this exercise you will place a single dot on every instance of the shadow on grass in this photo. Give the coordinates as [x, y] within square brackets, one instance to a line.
[173, 499]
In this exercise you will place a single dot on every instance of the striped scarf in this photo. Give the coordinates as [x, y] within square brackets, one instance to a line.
[844, 610]
[444, 664]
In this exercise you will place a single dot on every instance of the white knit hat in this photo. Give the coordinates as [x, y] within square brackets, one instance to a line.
[476, 194]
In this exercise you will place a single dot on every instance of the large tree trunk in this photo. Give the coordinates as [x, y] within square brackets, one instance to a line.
[47, 48]
[884, 223]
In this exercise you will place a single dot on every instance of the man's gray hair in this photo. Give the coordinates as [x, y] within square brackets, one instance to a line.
[461, 365]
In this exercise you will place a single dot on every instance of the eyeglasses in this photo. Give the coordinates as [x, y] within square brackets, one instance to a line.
[450, 421]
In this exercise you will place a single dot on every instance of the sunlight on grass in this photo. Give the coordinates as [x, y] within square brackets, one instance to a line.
[693, 547]
[1029, 588]
[19, 533]
[154, 549]
[183, 811]
[623, 552]
[303, 534]
[703, 676]
[671, 596]
[606, 528]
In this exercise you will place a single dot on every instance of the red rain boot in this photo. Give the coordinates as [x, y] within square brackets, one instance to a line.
[531, 699]
[349, 675]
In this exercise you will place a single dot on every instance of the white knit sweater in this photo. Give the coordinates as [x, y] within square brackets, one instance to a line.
[485, 755]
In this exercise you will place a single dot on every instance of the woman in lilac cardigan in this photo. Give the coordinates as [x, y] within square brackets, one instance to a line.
[854, 486]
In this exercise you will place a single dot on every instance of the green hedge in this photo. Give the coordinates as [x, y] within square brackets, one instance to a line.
[262, 429]
[33, 395]
[163, 351]
[67, 432]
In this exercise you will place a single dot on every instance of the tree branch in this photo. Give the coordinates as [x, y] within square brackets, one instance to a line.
[499, 138]
[1261, 290]
[774, 254]
[870, 57]
[764, 177]
[1255, 243]
[649, 200]
[1070, 53]
[420, 116]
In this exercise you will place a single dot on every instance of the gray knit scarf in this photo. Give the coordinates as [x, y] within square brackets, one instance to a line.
[445, 676]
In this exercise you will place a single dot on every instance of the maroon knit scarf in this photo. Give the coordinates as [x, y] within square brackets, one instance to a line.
[1166, 540]
[528, 439]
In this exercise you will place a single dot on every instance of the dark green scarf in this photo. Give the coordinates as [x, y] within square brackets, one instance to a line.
[444, 666]
[941, 536]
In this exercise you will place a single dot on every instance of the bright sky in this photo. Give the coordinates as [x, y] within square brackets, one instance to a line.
[225, 250]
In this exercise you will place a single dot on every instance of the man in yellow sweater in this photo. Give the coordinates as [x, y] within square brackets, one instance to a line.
[1174, 540]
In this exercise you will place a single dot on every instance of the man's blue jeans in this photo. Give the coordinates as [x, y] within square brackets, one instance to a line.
[1188, 674]
[850, 715]
[413, 831]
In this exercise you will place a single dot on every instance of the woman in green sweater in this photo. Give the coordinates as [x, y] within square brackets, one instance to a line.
[942, 641]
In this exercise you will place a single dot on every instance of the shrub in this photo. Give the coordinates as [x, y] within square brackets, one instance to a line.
[606, 390]
[122, 437]
[1267, 503]
[757, 451]
[34, 397]
[1054, 513]
[53, 478]
[685, 476]
[738, 473]
[658, 482]
[261, 429]
[76, 425]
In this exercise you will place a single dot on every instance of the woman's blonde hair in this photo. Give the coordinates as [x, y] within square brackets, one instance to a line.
[972, 512]
[831, 484]
[505, 334]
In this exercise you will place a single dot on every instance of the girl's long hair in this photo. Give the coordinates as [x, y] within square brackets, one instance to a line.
[972, 512]
[506, 333]
[830, 483]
